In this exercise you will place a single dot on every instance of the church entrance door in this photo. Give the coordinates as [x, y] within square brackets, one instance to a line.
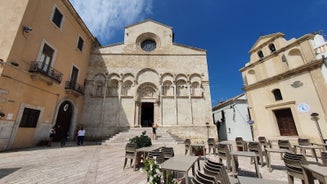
[286, 122]
[147, 114]
[63, 121]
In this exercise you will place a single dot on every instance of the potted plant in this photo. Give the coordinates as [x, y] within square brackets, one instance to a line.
[140, 141]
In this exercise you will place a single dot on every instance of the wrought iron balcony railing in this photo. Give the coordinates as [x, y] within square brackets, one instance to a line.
[70, 85]
[40, 68]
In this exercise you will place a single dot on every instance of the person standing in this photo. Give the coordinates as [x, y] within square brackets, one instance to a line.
[154, 131]
[80, 136]
[63, 138]
[52, 133]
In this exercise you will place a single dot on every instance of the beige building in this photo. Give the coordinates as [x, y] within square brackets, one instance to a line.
[44, 55]
[48, 54]
[285, 82]
[148, 78]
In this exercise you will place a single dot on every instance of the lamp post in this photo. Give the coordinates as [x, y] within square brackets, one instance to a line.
[315, 117]
[250, 122]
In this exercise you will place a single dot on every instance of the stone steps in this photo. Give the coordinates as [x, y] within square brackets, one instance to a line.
[163, 136]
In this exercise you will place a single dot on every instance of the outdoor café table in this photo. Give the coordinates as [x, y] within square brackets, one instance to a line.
[250, 154]
[274, 150]
[149, 148]
[180, 163]
[251, 180]
[318, 172]
[312, 147]
[142, 153]
[324, 146]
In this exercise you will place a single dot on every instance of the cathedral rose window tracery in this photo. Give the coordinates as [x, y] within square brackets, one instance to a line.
[148, 45]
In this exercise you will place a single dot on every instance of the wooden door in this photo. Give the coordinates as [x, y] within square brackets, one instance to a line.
[285, 122]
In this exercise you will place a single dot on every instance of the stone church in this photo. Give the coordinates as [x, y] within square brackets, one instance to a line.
[148, 79]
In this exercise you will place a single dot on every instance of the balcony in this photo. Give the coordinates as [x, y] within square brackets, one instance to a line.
[74, 88]
[47, 74]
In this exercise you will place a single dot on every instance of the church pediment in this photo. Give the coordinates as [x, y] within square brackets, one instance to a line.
[264, 39]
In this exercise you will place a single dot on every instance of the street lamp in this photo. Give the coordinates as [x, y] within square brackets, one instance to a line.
[315, 117]
[251, 122]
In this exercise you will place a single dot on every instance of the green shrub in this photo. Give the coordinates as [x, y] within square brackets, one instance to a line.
[141, 141]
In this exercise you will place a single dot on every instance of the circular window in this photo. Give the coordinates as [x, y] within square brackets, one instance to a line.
[148, 45]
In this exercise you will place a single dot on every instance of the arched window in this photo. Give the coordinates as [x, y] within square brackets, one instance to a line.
[126, 88]
[272, 47]
[260, 54]
[112, 89]
[99, 88]
[181, 88]
[277, 94]
[167, 89]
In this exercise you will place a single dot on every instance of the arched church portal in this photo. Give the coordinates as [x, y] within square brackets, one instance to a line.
[147, 111]
[147, 114]
[63, 120]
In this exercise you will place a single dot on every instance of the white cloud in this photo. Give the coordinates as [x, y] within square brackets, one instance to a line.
[105, 17]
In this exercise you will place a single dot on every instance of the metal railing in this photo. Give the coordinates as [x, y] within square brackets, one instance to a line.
[71, 85]
[38, 67]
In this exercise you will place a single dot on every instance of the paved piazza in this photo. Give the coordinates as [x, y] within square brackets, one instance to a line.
[94, 164]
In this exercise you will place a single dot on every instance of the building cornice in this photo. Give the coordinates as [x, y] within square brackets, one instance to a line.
[274, 54]
[304, 68]
[141, 54]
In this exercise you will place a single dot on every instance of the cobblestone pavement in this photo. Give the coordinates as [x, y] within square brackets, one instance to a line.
[101, 164]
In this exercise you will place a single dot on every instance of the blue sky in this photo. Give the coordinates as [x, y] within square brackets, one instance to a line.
[226, 29]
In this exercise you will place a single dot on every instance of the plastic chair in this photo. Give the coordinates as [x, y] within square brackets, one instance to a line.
[205, 178]
[257, 149]
[324, 158]
[263, 141]
[306, 142]
[212, 145]
[168, 152]
[130, 153]
[187, 143]
[158, 156]
[218, 170]
[224, 153]
[240, 144]
[285, 144]
[293, 163]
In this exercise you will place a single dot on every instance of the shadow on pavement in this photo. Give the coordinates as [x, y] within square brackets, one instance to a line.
[6, 171]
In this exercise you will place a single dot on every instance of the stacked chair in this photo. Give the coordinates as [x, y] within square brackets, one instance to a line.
[306, 142]
[293, 163]
[168, 152]
[212, 145]
[224, 153]
[130, 153]
[158, 156]
[241, 144]
[202, 178]
[285, 144]
[257, 149]
[324, 158]
[263, 141]
[187, 144]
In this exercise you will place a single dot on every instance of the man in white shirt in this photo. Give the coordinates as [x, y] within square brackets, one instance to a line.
[80, 136]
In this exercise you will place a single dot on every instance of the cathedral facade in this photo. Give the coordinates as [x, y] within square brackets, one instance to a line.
[148, 79]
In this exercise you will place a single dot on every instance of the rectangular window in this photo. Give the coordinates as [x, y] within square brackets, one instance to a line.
[73, 77]
[57, 17]
[80, 43]
[46, 58]
[30, 118]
